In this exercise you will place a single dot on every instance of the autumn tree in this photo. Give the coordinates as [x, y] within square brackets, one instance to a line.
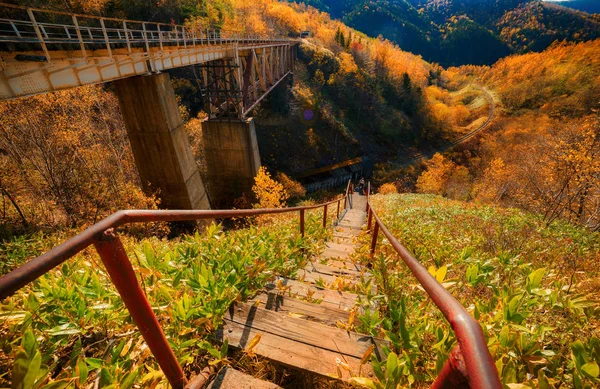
[268, 192]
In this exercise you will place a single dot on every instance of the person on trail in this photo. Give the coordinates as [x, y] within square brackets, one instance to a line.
[361, 186]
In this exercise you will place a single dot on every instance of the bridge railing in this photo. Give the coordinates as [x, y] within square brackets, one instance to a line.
[112, 253]
[470, 364]
[46, 27]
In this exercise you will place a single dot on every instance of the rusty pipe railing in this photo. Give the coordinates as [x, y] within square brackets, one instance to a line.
[121, 272]
[470, 364]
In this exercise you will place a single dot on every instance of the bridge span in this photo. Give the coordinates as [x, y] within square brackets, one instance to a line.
[43, 51]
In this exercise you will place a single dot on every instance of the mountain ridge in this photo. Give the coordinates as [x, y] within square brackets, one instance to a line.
[454, 33]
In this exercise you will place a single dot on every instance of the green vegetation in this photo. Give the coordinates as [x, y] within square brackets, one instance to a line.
[533, 289]
[70, 328]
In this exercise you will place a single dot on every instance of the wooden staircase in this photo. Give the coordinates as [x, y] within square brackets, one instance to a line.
[300, 323]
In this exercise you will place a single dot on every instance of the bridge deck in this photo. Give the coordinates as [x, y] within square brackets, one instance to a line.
[43, 51]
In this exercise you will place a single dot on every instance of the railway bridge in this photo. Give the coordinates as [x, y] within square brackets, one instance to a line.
[43, 51]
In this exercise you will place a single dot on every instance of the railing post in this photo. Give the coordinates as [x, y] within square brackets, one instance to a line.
[368, 195]
[79, 37]
[453, 374]
[105, 34]
[325, 216]
[302, 222]
[121, 273]
[374, 238]
[127, 37]
[38, 33]
[338, 209]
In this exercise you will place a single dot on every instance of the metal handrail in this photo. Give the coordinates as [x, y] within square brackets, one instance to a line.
[470, 364]
[122, 274]
[31, 30]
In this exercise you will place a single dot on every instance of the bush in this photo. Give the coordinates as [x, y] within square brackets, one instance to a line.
[388, 188]
[269, 193]
[293, 188]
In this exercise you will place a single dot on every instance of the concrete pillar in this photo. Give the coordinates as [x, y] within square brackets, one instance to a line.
[159, 142]
[232, 159]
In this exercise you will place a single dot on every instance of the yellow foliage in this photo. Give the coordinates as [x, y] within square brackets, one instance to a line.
[269, 193]
[434, 178]
[292, 187]
[388, 188]
[347, 64]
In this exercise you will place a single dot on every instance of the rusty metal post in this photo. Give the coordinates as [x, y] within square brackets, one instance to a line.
[370, 219]
[338, 208]
[368, 195]
[325, 216]
[374, 238]
[454, 374]
[302, 222]
[121, 273]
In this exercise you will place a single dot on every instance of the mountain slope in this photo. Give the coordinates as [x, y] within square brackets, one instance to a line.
[467, 31]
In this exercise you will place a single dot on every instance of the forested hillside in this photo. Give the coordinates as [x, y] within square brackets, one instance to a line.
[466, 32]
[542, 154]
[352, 96]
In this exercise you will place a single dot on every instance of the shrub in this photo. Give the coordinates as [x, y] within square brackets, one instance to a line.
[388, 188]
[269, 193]
[293, 188]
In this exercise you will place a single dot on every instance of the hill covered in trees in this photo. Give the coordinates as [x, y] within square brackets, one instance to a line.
[465, 32]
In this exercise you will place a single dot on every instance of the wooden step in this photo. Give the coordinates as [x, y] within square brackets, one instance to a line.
[274, 301]
[327, 280]
[298, 343]
[328, 297]
[232, 379]
[341, 264]
[333, 253]
[336, 271]
[349, 248]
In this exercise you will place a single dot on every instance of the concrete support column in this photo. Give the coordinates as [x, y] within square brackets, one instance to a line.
[232, 159]
[159, 142]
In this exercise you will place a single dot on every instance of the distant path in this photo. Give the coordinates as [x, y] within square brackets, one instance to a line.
[421, 156]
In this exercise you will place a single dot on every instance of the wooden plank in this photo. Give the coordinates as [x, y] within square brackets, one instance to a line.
[327, 280]
[329, 297]
[336, 340]
[232, 379]
[332, 253]
[335, 271]
[349, 248]
[291, 353]
[315, 312]
[342, 264]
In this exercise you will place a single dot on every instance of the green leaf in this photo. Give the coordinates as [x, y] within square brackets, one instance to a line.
[543, 382]
[504, 336]
[535, 279]
[391, 364]
[362, 381]
[28, 343]
[105, 378]
[33, 371]
[20, 367]
[60, 384]
[83, 371]
[94, 363]
[128, 380]
[591, 369]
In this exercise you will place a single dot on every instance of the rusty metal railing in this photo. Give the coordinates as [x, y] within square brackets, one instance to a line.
[112, 253]
[470, 364]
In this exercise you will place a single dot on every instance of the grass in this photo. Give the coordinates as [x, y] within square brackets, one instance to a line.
[70, 328]
[533, 289]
